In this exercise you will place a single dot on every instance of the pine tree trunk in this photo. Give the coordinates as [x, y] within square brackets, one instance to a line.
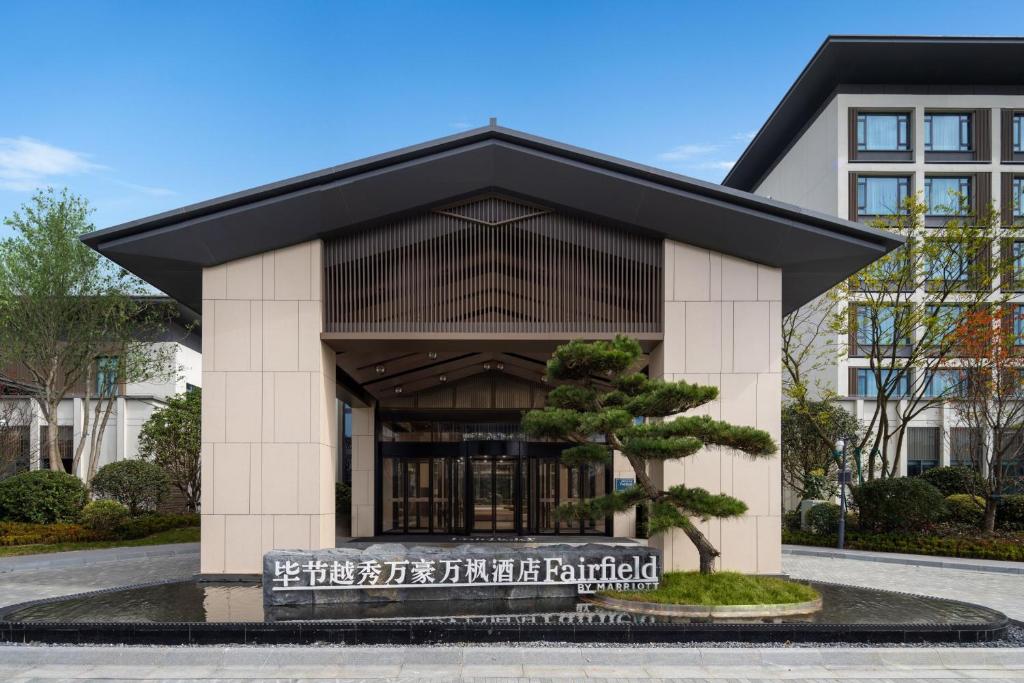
[705, 550]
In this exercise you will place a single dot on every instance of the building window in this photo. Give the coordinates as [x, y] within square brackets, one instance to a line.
[1017, 320]
[882, 326]
[189, 388]
[947, 196]
[1011, 447]
[65, 446]
[865, 383]
[965, 447]
[1017, 262]
[15, 450]
[923, 445]
[946, 382]
[1018, 137]
[882, 195]
[947, 133]
[948, 317]
[952, 265]
[1017, 196]
[883, 132]
[106, 375]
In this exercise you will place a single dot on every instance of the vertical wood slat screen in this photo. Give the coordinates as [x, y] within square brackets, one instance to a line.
[493, 265]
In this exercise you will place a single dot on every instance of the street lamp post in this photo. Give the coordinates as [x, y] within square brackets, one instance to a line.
[844, 478]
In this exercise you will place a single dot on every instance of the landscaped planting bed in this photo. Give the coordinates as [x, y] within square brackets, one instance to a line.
[949, 543]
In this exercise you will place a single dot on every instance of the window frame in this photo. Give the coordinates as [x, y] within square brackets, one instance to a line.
[857, 150]
[966, 125]
[904, 189]
[967, 180]
[869, 375]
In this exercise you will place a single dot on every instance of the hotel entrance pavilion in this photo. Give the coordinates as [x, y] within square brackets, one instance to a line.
[425, 288]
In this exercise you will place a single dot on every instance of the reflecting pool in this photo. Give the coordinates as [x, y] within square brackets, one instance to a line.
[212, 602]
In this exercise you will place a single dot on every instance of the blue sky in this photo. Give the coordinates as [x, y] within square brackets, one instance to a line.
[146, 106]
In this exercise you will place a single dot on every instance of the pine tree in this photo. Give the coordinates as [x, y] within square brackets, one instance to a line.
[597, 407]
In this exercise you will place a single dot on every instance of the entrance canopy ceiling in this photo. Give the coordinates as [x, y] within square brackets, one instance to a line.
[814, 250]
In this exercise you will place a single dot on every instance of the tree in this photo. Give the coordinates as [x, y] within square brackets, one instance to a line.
[605, 406]
[71, 322]
[171, 438]
[989, 385]
[898, 315]
[808, 434]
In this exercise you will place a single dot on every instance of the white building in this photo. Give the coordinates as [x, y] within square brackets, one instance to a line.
[871, 119]
[24, 427]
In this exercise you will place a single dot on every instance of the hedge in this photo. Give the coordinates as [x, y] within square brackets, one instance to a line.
[25, 533]
[139, 485]
[42, 497]
[21, 533]
[903, 504]
[104, 516]
[823, 518]
[953, 480]
[1010, 512]
[983, 548]
[965, 509]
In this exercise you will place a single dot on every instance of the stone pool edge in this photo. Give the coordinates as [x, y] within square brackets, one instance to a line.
[437, 631]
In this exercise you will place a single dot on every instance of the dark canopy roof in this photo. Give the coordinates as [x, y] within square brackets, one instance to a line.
[974, 63]
[170, 249]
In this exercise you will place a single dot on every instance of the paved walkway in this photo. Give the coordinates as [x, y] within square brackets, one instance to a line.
[999, 590]
[509, 665]
[32, 577]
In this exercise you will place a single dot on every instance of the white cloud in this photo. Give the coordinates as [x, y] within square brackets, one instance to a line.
[717, 165]
[146, 189]
[745, 137]
[26, 164]
[687, 152]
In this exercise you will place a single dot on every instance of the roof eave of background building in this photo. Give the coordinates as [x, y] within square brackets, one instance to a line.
[873, 60]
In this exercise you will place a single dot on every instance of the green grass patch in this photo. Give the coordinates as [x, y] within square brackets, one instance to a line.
[189, 534]
[721, 588]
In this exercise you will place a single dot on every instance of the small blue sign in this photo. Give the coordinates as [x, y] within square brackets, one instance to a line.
[624, 484]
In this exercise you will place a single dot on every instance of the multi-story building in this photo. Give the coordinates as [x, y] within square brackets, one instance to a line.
[873, 120]
[23, 429]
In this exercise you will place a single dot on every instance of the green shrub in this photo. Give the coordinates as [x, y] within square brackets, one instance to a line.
[903, 504]
[147, 525]
[791, 520]
[42, 497]
[104, 516]
[966, 509]
[823, 519]
[139, 485]
[342, 499]
[1010, 512]
[953, 480]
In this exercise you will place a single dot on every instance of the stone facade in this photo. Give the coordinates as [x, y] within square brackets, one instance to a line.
[723, 327]
[269, 425]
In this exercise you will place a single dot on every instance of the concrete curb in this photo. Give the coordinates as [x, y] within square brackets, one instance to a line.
[86, 558]
[965, 564]
[739, 658]
[720, 611]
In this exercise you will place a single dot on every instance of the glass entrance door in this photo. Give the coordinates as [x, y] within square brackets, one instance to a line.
[494, 503]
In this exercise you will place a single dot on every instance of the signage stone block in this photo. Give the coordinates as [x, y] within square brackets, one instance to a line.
[394, 572]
